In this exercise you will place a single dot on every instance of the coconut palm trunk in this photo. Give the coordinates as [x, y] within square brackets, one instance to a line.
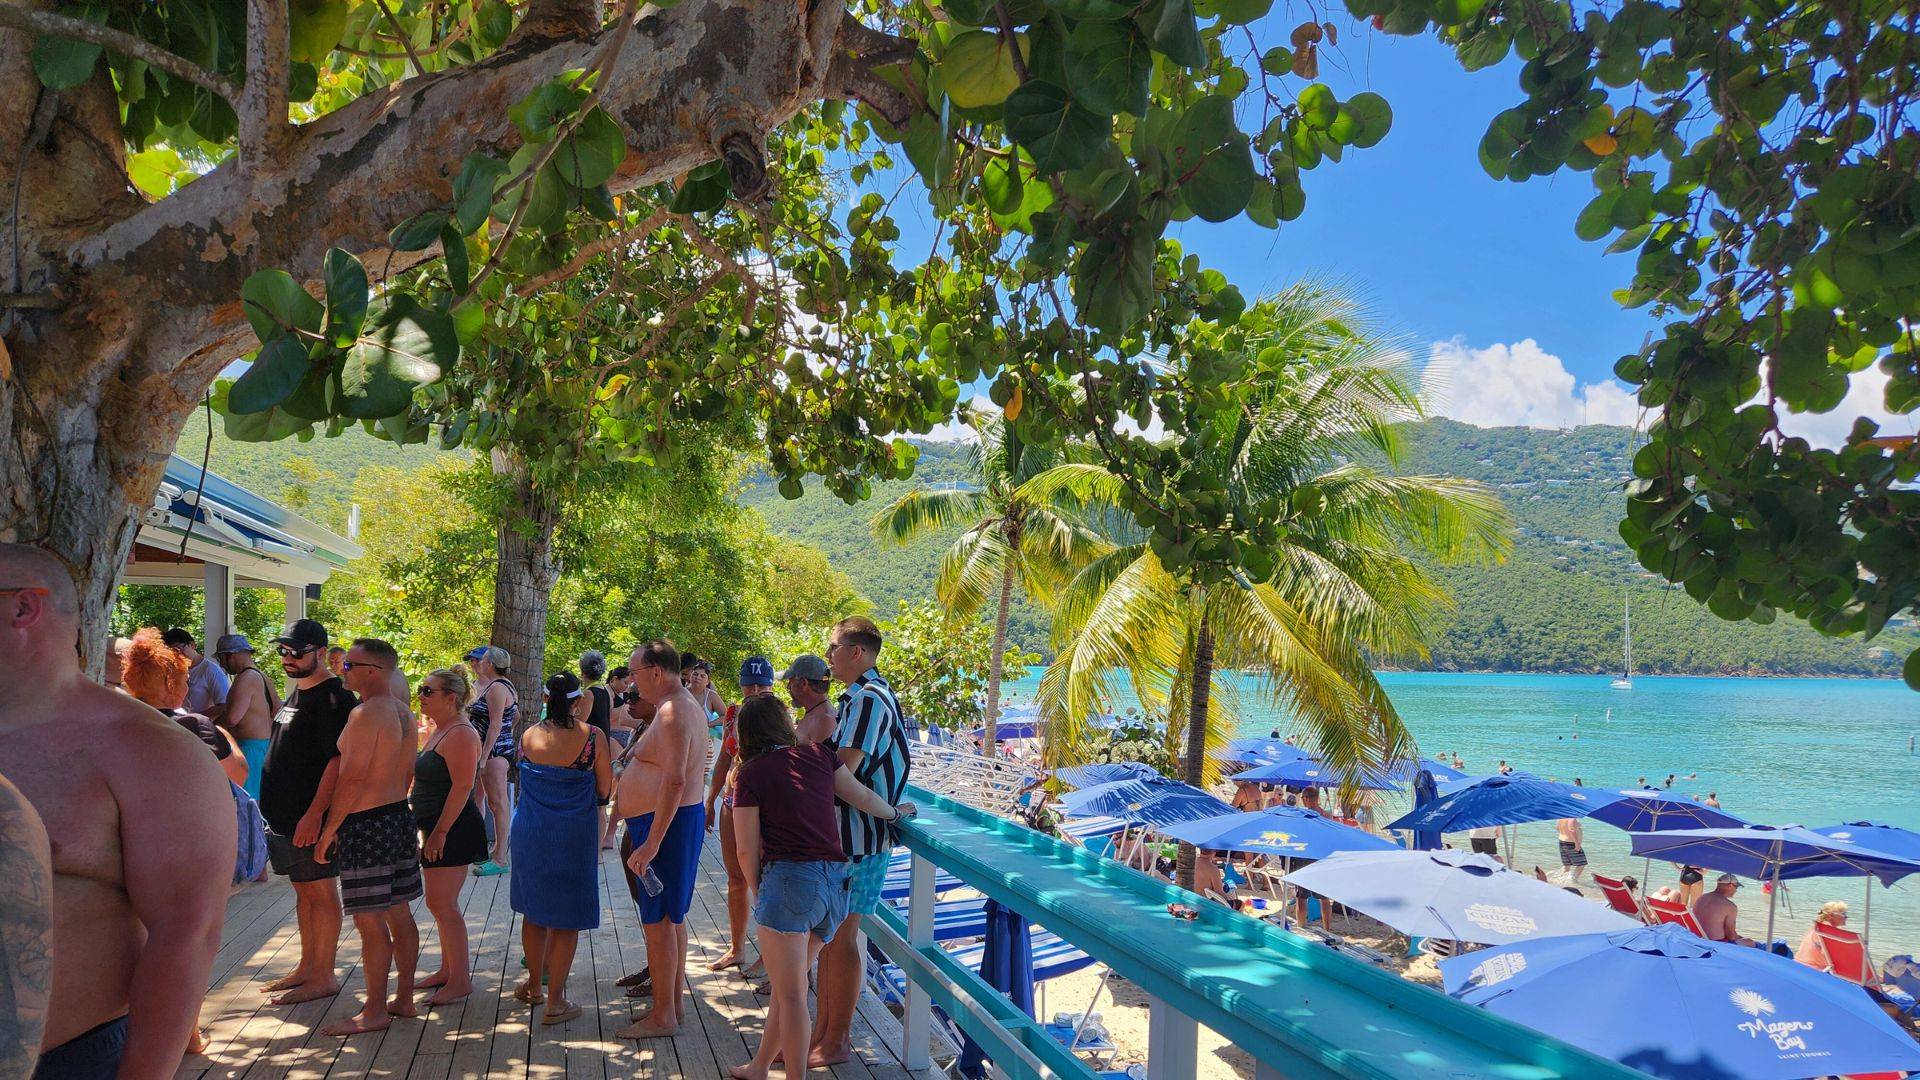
[996, 667]
[1195, 766]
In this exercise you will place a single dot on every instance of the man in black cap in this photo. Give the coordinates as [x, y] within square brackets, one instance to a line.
[303, 766]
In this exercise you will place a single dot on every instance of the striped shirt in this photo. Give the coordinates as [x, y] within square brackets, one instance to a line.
[870, 722]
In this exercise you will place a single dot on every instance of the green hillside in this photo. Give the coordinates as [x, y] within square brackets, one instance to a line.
[1555, 605]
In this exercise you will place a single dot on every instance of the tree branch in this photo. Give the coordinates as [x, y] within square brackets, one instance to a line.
[590, 251]
[558, 19]
[263, 102]
[400, 32]
[852, 79]
[48, 24]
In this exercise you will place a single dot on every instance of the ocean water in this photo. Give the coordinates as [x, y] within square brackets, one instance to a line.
[1774, 751]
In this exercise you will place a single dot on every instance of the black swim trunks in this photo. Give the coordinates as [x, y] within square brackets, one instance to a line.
[94, 1055]
[378, 852]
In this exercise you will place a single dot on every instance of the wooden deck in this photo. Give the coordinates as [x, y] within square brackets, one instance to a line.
[490, 1034]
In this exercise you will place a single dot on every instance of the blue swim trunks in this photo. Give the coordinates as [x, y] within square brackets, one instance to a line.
[677, 863]
[255, 751]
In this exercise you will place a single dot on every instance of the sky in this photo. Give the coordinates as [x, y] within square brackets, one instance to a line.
[1510, 316]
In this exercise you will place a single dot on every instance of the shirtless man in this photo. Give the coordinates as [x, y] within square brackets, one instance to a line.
[144, 839]
[26, 931]
[370, 833]
[250, 706]
[661, 798]
[808, 679]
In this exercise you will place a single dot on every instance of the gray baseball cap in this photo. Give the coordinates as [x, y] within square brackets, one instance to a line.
[232, 643]
[806, 666]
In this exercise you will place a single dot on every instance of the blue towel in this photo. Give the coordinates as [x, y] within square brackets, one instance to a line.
[556, 848]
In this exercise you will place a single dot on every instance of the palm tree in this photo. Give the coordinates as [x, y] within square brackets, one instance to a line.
[1340, 589]
[1008, 536]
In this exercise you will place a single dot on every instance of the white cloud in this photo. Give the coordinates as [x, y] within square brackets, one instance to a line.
[1518, 385]
[957, 430]
[1866, 396]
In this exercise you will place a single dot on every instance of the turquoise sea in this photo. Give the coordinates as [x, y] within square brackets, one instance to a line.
[1775, 751]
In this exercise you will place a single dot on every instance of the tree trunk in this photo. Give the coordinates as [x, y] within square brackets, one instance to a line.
[996, 666]
[523, 582]
[1195, 766]
[129, 310]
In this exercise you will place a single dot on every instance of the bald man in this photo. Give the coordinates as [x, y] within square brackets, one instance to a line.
[143, 832]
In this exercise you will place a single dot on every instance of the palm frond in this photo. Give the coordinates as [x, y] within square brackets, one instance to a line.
[1123, 620]
[970, 570]
[1073, 487]
[926, 510]
[1052, 549]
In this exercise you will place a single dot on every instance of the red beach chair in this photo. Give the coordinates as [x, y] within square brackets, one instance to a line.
[1667, 911]
[1619, 897]
[1846, 956]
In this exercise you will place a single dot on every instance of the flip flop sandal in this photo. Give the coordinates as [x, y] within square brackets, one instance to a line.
[561, 1017]
[641, 990]
[635, 979]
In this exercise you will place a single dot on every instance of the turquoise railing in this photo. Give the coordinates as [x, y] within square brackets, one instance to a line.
[1299, 1008]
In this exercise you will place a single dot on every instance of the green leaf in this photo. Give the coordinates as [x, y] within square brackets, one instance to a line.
[458, 266]
[1318, 106]
[1172, 29]
[1910, 671]
[1058, 132]
[268, 426]
[314, 28]
[473, 189]
[1220, 188]
[1374, 115]
[1113, 282]
[402, 347]
[274, 375]
[418, 232]
[705, 188]
[1242, 12]
[592, 153]
[274, 303]
[978, 68]
[1000, 185]
[1596, 220]
[63, 63]
[346, 282]
[1109, 65]
[539, 113]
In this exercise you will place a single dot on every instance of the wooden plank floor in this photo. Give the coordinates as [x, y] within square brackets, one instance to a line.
[489, 1034]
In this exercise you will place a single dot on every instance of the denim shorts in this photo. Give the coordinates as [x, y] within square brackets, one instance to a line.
[802, 897]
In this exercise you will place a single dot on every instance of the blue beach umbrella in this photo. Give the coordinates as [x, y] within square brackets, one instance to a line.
[1453, 896]
[1504, 800]
[1281, 830]
[1660, 1000]
[1441, 770]
[1086, 776]
[1311, 772]
[1776, 854]
[1107, 799]
[1660, 810]
[1888, 838]
[1006, 964]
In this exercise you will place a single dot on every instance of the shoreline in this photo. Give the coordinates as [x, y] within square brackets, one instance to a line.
[1848, 676]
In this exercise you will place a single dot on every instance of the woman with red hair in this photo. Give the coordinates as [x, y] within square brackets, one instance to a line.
[153, 672]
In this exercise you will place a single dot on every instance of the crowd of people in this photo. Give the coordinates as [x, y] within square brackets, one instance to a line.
[183, 775]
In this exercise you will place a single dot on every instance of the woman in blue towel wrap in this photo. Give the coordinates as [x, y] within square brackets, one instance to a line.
[565, 776]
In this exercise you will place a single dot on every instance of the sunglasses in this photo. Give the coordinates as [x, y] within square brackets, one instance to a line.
[429, 691]
[295, 654]
[349, 665]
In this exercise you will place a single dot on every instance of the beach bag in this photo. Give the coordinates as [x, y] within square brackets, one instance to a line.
[250, 860]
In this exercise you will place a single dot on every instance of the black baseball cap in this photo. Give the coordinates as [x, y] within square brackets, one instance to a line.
[304, 634]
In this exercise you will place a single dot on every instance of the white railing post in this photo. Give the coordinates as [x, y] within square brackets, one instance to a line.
[919, 1019]
[1173, 1043]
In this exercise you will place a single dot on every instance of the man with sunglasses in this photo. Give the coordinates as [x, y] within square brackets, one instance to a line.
[296, 788]
[142, 822]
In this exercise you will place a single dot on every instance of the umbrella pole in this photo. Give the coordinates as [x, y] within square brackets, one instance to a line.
[1773, 900]
[1866, 923]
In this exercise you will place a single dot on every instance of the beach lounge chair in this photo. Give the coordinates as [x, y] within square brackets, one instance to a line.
[1619, 897]
[1667, 911]
[1846, 956]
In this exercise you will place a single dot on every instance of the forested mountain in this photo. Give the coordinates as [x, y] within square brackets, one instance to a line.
[1555, 605]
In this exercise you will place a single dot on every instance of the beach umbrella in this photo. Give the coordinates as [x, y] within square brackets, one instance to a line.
[1504, 800]
[1775, 854]
[1441, 770]
[1266, 749]
[1311, 772]
[1668, 1003]
[1425, 790]
[1086, 776]
[1454, 896]
[1888, 838]
[1006, 964]
[1660, 810]
[1289, 831]
[1144, 802]
[1010, 729]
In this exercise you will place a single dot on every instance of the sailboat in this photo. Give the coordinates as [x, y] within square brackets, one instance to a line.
[1625, 681]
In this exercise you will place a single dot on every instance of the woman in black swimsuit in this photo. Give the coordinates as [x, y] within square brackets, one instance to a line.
[452, 836]
[495, 713]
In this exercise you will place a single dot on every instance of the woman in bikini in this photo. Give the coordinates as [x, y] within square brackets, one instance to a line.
[494, 713]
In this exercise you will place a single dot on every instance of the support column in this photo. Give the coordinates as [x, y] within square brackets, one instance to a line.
[296, 601]
[219, 617]
[1173, 1043]
[919, 1016]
